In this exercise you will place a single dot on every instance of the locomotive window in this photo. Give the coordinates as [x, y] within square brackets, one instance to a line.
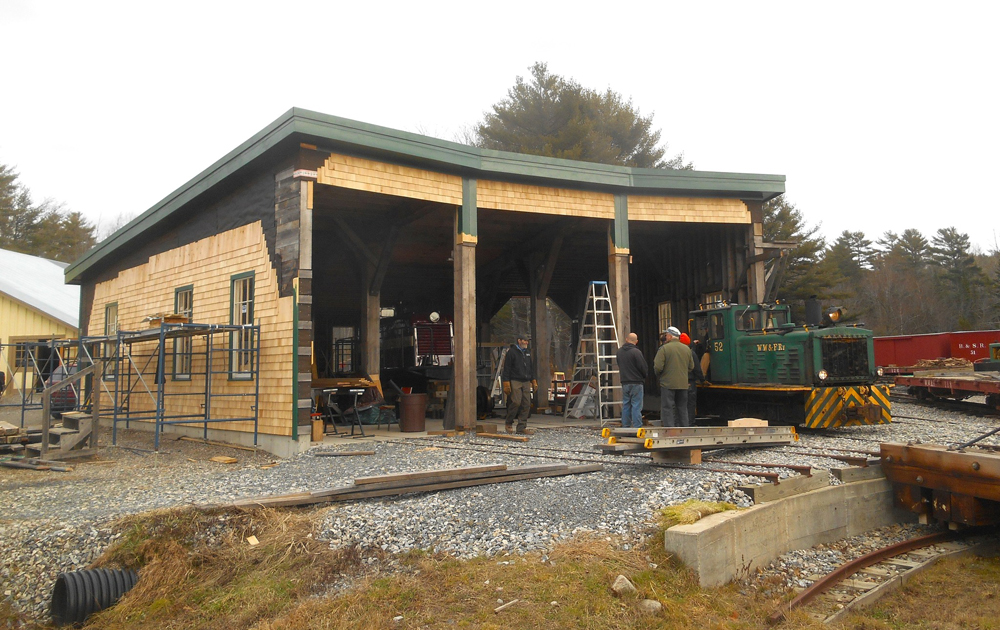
[701, 327]
[717, 329]
[776, 319]
[749, 319]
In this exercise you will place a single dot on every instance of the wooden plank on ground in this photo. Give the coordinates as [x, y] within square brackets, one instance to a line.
[341, 453]
[788, 487]
[310, 499]
[856, 473]
[459, 475]
[8, 429]
[214, 443]
[616, 449]
[428, 474]
[502, 436]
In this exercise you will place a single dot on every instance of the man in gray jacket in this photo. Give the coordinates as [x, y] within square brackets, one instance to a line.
[672, 363]
[632, 370]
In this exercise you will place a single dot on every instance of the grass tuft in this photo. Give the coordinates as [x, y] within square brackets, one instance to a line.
[689, 512]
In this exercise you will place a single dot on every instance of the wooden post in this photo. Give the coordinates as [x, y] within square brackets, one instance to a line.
[618, 287]
[465, 335]
[541, 350]
[370, 334]
[46, 421]
[755, 240]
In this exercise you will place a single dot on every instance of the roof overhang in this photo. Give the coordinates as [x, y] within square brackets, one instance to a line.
[340, 134]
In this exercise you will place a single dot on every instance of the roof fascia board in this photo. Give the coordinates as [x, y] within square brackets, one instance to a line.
[229, 164]
[414, 148]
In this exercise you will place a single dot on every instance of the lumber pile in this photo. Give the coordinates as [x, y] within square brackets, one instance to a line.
[421, 481]
[34, 463]
[942, 364]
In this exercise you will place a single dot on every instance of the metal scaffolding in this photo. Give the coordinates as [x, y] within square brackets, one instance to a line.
[29, 365]
[141, 379]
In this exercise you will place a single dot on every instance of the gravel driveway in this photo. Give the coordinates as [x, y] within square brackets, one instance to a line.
[53, 522]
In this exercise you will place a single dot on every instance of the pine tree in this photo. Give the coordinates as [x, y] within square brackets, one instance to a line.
[557, 117]
[45, 229]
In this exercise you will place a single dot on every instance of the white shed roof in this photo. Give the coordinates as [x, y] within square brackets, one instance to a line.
[39, 283]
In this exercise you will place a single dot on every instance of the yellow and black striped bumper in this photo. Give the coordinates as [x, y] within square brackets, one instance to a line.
[830, 407]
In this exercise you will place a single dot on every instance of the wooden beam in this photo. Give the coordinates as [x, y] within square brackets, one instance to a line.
[550, 264]
[385, 257]
[354, 241]
[524, 248]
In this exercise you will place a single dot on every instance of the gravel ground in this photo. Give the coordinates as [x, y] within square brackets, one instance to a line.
[55, 522]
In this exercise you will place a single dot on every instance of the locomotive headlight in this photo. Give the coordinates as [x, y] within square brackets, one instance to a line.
[435, 317]
[880, 371]
[823, 374]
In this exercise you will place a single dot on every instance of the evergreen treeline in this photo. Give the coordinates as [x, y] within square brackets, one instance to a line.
[900, 283]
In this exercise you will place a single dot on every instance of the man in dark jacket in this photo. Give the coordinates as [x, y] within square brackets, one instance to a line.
[518, 381]
[632, 370]
[695, 376]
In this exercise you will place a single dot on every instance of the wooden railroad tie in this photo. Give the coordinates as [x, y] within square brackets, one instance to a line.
[419, 481]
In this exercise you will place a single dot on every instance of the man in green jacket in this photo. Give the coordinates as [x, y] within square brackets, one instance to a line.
[672, 364]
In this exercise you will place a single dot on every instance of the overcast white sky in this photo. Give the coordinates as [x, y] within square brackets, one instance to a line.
[882, 115]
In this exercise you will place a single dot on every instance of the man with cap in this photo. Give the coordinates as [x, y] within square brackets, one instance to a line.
[632, 370]
[518, 380]
[672, 363]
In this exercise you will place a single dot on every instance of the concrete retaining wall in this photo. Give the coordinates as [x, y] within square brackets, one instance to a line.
[719, 546]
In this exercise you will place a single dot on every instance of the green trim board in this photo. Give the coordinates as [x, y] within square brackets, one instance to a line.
[468, 217]
[619, 234]
[335, 134]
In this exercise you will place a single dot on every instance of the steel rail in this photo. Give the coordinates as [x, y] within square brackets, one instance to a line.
[846, 570]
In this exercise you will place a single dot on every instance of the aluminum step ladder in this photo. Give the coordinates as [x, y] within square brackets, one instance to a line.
[592, 389]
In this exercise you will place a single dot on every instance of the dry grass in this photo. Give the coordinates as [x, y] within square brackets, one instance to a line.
[445, 593]
[955, 593]
[281, 583]
[689, 512]
[187, 583]
[284, 584]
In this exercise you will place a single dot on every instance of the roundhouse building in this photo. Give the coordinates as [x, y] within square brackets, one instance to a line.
[316, 222]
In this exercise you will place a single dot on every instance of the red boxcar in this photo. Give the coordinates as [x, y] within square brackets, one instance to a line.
[973, 344]
[906, 350]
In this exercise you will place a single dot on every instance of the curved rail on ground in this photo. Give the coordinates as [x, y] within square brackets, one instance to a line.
[845, 570]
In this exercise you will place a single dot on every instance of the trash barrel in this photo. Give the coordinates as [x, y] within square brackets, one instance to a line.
[412, 412]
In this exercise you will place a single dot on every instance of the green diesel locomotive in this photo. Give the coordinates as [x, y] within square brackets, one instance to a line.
[762, 365]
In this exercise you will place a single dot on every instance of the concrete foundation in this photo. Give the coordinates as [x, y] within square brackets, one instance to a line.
[721, 546]
[278, 445]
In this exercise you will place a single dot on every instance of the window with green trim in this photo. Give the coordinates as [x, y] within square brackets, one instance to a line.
[110, 330]
[241, 314]
[183, 346]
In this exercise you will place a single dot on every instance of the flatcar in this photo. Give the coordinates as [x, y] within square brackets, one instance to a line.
[761, 364]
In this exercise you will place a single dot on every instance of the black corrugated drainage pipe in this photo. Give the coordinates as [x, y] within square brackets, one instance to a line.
[79, 593]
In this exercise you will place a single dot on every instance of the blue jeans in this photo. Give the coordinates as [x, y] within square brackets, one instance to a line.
[632, 405]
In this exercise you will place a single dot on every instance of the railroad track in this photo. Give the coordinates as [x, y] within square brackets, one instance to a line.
[866, 579]
[977, 409]
[710, 464]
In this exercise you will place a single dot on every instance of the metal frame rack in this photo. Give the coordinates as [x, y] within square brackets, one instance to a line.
[138, 373]
[36, 369]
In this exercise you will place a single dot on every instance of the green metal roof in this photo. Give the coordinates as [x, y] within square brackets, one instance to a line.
[363, 139]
